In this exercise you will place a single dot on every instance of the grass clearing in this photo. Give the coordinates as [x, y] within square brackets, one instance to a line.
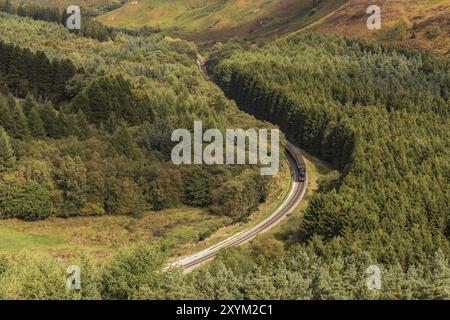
[12, 240]
[101, 236]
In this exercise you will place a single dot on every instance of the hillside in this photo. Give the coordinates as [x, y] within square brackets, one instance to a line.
[208, 20]
[85, 126]
[419, 23]
[381, 115]
[65, 3]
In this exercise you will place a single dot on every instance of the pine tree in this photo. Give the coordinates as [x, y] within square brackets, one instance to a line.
[28, 104]
[20, 123]
[50, 119]
[44, 74]
[35, 124]
[15, 71]
[7, 157]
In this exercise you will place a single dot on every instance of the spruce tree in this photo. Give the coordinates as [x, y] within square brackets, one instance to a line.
[197, 189]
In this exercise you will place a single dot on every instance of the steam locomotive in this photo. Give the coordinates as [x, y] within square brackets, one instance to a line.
[298, 160]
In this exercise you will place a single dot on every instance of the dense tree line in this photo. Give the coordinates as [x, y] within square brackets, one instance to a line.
[90, 27]
[265, 270]
[381, 114]
[50, 14]
[24, 72]
[30, 119]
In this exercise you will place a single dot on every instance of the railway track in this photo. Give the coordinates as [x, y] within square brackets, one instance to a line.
[296, 194]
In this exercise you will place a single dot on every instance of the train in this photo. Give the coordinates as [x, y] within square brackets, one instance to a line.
[298, 158]
[301, 174]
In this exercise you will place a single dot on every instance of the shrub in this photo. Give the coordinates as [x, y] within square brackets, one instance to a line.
[27, 201]
[133, 268]
[36, 277]
[433, 31]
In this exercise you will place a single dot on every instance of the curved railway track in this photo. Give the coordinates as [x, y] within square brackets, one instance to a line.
[296, 194]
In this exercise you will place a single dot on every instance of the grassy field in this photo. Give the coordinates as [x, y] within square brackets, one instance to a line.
[101, 236]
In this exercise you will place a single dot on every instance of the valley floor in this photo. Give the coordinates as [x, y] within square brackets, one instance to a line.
[180, 230]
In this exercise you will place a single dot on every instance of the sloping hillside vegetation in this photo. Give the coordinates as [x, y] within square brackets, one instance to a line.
[62, 4]
[90, 28]
[379, 114]
[421, 24]
[213, 20]
[90, 122]
[382, 114]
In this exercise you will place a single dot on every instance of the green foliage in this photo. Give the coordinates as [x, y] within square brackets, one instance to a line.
[20, 123]
[156, 137]
[242, 194]
[70, 176]
[90, 28]
[35, 124]
[161, 185]
[197, 188]
[28, 200]
[40, 277]
[380, 114]
[132, 269]
[266, 271]
[123, 143]
[7, 156]
[40, 13]
[135, 91]
[27, 72]
[109, 97]
[49, 117]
